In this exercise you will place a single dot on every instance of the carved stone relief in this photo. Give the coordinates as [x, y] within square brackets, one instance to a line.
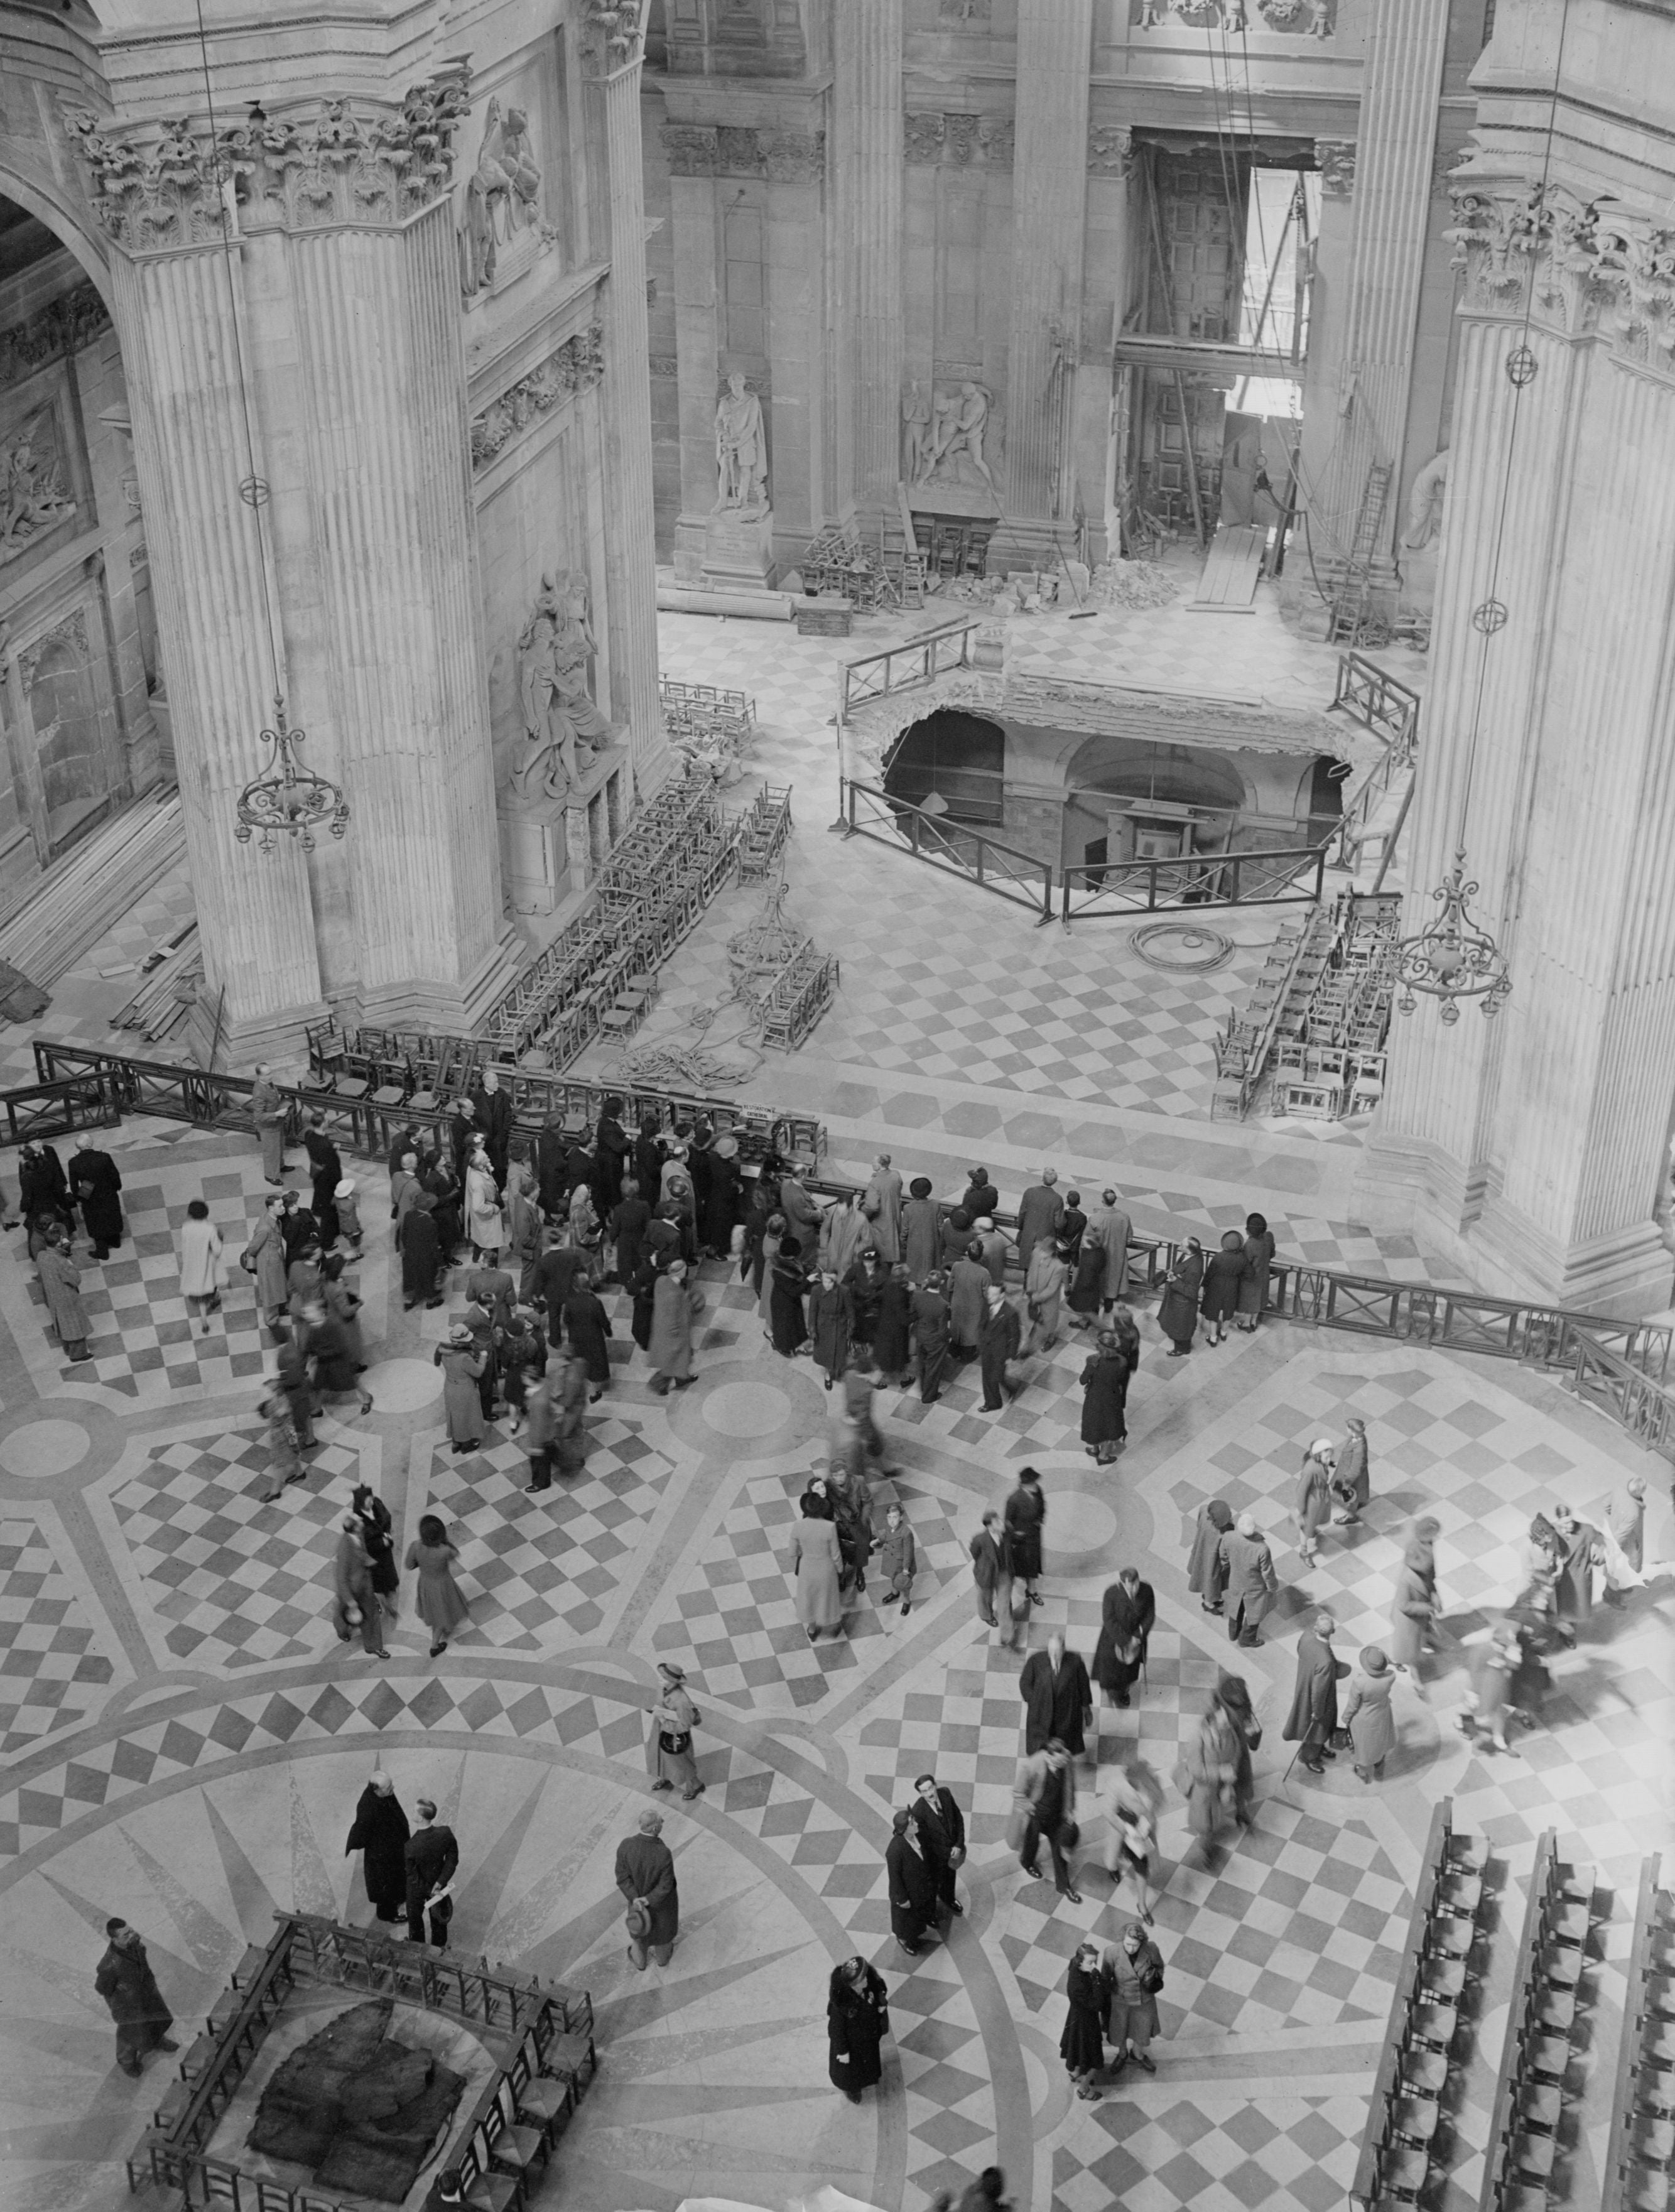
[689, 149]
[953, 432]
[63, 328]
[611, 33]
[71, 633]
[956, 137]
[1314, 19]
[154, 192]
[502, 201]
[577, 365]
[33, 497]
[704, 149]
[1336, 159]
[1110, 149]
[561, 720]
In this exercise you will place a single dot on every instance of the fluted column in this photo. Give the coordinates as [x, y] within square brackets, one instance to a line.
[1395, 141]
[1049, 216]
[630, 527]
[255, 913]
[866, 127]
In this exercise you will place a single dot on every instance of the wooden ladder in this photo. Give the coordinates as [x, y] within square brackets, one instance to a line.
[1355, 587]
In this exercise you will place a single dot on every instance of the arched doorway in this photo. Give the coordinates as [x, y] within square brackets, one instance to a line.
[78, 645]
[957, 762]
[1128, 800]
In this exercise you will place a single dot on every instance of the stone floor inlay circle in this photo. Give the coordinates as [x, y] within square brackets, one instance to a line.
[401, 1386]
[746, 1409]
[43, 1449]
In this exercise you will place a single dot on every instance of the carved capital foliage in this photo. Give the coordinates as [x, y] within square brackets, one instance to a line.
[1579, 267]
[611, 33]
[689, 149]
[924, 134]
[957, 138]
[576, 366]
[797, 157]
[1335, 158]
[63, 328]
[155, 189]
[1110, 149]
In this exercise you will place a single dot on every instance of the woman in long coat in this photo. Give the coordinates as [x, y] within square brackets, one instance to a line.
[967, 1303]
[483, 1222]
[1104, 1399]
[60, 1281]
[789, 1332]
[1260, 1249]
[921, 1230]
[828, 1326]
[892, 1333]
[421, 1252]
[1127, 1614]
[674, 1718]
[674, 1302]
[354, 1599]
[1223, 1276]
[440, 1602]
[913, 1886]
[380, 1832]
[1081, 2043]
[1313, 1499]
[1178, 1309]
[815, 1559]
[856, 2022]
[1131, 1966]
[1413, 1605]
[462, 1366]
[1044, 1284]
[1367, 1714]
[1206, 1572]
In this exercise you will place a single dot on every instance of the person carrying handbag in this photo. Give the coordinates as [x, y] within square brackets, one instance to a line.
[674, 1718]
[1133, 1971]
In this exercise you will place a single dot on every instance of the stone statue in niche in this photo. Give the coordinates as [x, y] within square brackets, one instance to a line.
[502, 196]
[741, 449]
[32, 502]
[1425, 502]
[915, 431]
[960, 423]
[561, 720]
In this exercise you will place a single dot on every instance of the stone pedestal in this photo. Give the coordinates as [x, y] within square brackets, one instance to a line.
[728, 551]
[535, 854]
[595, 813]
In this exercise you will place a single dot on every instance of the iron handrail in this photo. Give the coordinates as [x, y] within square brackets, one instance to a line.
[923, 652]
[956, 848]
[1259, 876]
[1377, 699]
[38, 1111]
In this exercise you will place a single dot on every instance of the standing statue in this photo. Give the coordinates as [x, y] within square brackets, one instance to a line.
[741, 449]
[559, 713]
[502, 197]
[915, 432]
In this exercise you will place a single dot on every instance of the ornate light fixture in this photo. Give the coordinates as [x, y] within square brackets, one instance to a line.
[1452, 957]
[289, 797]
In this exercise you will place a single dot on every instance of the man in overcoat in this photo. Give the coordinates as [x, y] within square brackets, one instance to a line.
[1313, 1714]
[1252, 1583]
[95, 1184]
[646, 1876]
[1057, 1698]
[128, 1987]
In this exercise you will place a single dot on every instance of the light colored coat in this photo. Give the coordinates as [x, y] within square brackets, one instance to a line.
[1251, 1580]
[200, 1259]
[61, 1279]
[483, 1224]
[672, 1307]
[1110, 1228]
[814, 1559]
[885, 1215]
[267, 1248]
[1368, 1717]
[462, 1403]
[1411, 1614]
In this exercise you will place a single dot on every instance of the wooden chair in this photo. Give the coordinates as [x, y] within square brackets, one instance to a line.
[491, 2191]
[1443, 1978]
[1459, 1894]
[1652, 2141]
[1564, 1921]
[1467, 1855]
[1447, 1937]
[1402, 2171]
[1539, 2106]
[1644, 2190]
[1433, 2023]
[1555, 2009]
[1531, 2154]
[520, 2148]
[1547, 2057]
[1561, 1967]
[1414, 2119]
[1520, 2196]
[542, 2101]
[1424, 2072]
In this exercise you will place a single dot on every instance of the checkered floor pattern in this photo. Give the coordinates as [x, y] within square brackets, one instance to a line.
[1216, 2154]
[238, 1583]
[46, 1645]
[536, 1570]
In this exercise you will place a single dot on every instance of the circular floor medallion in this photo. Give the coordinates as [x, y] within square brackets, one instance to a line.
[747, 1409]
[401, 1386]
[40, 1448]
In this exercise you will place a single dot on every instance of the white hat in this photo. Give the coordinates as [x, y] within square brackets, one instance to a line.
[1322, 1448]
[345, 1188]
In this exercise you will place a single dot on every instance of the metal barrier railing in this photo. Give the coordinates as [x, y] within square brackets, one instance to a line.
[934, 652]
[955, 847]
[1117, 891]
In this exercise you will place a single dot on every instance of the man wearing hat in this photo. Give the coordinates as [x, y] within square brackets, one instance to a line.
[1252, 1583]
[646, 1875]
[674, 1718]
[1351, 1483]
[1040, 1211]
[980, 1196]
[1367, 1714]
[349, 1216]
[1313, 1714]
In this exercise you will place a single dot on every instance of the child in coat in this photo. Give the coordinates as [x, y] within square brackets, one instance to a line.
[896, 1556]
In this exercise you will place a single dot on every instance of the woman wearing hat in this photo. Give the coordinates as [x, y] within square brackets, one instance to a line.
[1223, 1277]
[462, 1367]
[674, 1717]
[1178, 1309]
[722, 1199]
[1105, 1399]
[1367, 1714]
[1314, 1505]
[1082, 2044]
[921, 1230]
[674, 1302]
[856, 2022]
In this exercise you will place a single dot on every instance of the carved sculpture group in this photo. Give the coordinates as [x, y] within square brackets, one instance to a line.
[942, 434]
[502, 196]
[32, 500]
[1314, 19]
[561, 720]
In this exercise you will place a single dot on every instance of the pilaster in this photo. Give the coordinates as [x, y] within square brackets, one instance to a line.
[868, 203]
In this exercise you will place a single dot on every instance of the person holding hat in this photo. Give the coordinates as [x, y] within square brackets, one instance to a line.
[379, 1832]
[921, 1230]
[674, 1718]
[1313, 1719]
[463, 1368]
[1313, 1502]
[1367, 1714]
[1351, 1483]
[645, 1873]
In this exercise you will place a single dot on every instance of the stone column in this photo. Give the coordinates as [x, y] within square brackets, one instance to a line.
[866, 132]
[1395, 141]
[1049, 214]
[613, 66]
[1531, 1151]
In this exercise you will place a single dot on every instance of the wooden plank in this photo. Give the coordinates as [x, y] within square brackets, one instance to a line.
[1231, 569]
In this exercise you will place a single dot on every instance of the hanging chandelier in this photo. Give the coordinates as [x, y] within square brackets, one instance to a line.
[1453, 957]
[289, 798]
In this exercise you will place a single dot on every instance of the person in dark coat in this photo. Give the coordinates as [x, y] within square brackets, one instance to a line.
[380, 1832]
[913, 1886]
[643, 1289]
[549, 1149]
[856, 2022]
[612, 1148]
[587, 1325]
[1072, 1228]
[1206, 1570]
[1226, 1271]
[377, 1535]
[892, 1332]
[990, 1566]
[95, 1184]
[1082, 2044]
[445, 1189]
[124, 1979]
[1040, 1211]
[864, 1279]
[1105, 1399]
[326, 1172]
[1178, 1308]
[555, 1278]
[645, 1873]
[789, 1331]
[968, 1288]
[578, 1167]
[41, 1186]
[1057, 1698]
[1026, 1512]
[979, 1198]
[1312, 1718]
[1001, 1340]
[724, 1199]
[1351, 1483]
[1087, 1281]
[625, 1228]
[298, 1227]
[942, 1835]
[421, 1253]
[1259, 1250]
[1126, 1615]
[829, 1315]
[431, 1861]
[930, 1320]
[492, 1107]
[921, 1229]
[291, 1373]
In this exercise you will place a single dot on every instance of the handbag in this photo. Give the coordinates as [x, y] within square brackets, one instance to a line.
[1152, 1980]
[247, 1260]
[1070, 1834]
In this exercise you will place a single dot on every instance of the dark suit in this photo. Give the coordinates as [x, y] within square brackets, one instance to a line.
[432, 1858]
[126, 1982]
[912, 1892]
[494, 1118]
[942, 1831]
[95, 1183]
[1054, 1705]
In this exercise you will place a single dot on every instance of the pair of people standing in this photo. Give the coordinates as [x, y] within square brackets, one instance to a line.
[1113, 1995]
